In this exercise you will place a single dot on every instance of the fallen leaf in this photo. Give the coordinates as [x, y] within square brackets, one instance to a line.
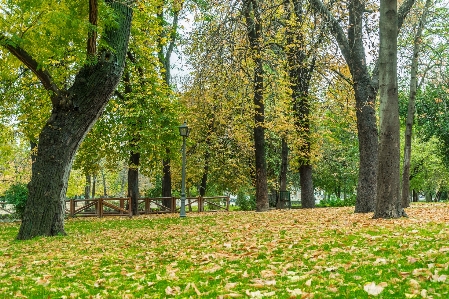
[373, 289]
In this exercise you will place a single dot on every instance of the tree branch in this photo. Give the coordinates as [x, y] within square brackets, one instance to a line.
[43, 75]
[92, 35]
[335, 27]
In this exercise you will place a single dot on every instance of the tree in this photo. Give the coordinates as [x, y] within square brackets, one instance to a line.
[388, 203]
[365, 87]
[74, 111]
[251, 10]
[411, 106]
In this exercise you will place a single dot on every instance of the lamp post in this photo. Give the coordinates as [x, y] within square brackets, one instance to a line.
[184, 132]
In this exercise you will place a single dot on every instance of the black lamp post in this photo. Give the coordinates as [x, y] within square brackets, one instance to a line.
[184, 132]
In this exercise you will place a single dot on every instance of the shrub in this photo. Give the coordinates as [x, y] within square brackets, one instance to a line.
[245, 203]
[17, 196]
[337, 202]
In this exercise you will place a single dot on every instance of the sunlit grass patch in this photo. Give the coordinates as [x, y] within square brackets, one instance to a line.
[319, 253]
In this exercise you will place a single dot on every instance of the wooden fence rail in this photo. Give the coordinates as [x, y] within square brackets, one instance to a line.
[121, 206]
[99, 207]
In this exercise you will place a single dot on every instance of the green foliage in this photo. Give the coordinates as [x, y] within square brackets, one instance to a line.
[333, 201]
[17, 196]
[245, 202]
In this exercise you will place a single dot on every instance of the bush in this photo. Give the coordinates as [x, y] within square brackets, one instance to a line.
[17, 196]
[337, 202]
[245, 203]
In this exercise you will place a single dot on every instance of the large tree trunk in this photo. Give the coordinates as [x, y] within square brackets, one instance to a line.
[307, 196]
[254, 26]
[368, 141]
[133, 181]
[365, 97]
[388, 204]
[411, 109]
[74, 113]
[365, 89]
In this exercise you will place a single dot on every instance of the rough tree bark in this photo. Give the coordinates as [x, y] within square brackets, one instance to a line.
[411, 108]
[254, 32]
[74, 112]
[365, 90]
[388, 204]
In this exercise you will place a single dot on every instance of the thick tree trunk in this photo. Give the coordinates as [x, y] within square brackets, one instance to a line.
[368, 142]
[74, 113]
[405, 196]
[254, 26]
[365, 96]
[365, 89]
[307, 197]
[388, 204]
[133, 181]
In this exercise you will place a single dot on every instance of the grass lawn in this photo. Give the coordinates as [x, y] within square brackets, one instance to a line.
[318, 253]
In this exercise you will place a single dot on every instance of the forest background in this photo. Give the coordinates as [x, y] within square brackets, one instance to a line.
[307, 124]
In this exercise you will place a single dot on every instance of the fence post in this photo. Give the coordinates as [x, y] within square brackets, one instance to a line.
[227, 203]
[130, 211]
[100, 207]
[200, 204]
[173, 204]
[72, 207]
[147, 205]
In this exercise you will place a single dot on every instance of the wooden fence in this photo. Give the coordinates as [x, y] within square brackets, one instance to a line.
[121, 206]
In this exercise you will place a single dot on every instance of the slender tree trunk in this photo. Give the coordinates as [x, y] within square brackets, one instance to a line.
[203, 185]
[166, 181]
[411, 109]
[284, 165]
[254, 26]
[94, 185]
[87, 188]
[414, 196]
[133, 181]
[301, 67]
[164, 56]
[74, 113]
[105, 189]
[388, 203]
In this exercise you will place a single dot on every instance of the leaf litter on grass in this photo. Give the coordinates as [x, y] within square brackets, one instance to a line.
[314, 253]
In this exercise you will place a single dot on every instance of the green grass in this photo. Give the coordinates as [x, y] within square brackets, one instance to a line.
[319, 253]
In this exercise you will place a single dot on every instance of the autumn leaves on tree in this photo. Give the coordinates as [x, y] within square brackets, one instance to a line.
[267, 81]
